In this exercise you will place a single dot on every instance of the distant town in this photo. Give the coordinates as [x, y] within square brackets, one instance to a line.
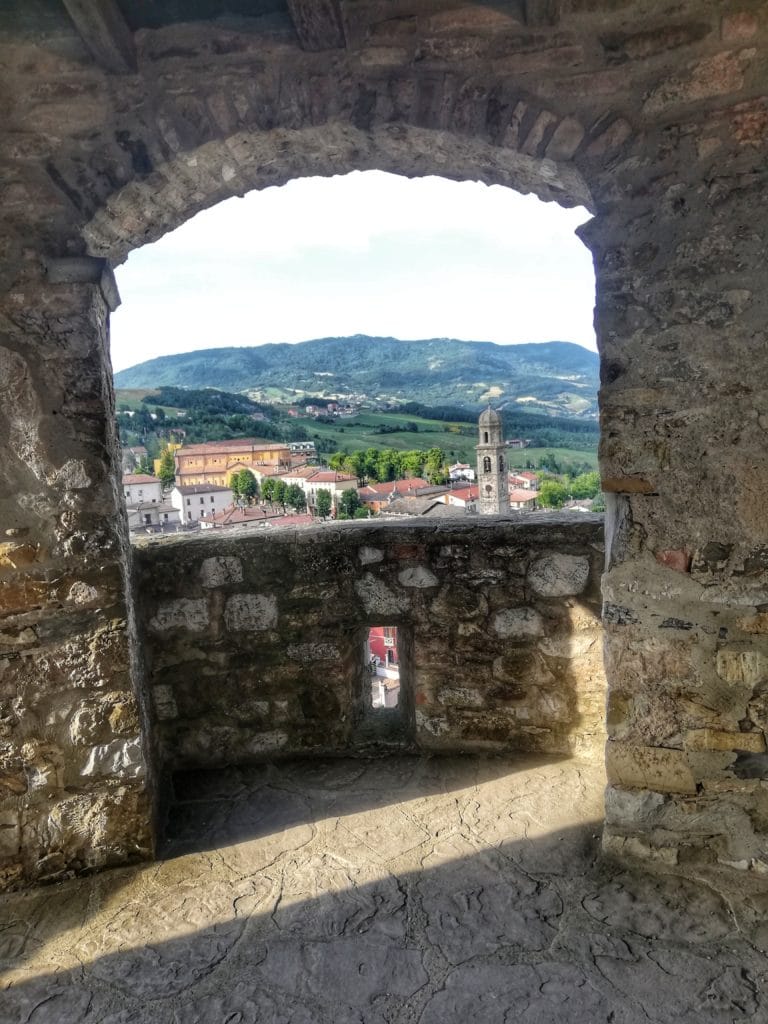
[253, 483]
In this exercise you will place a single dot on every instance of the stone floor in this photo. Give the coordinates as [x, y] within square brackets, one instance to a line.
[437, 891]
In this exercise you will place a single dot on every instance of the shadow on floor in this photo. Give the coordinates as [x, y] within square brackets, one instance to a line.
[438, 903]
[214, 808]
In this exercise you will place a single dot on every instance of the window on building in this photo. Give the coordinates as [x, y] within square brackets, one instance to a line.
[383, 666]
[202, 501]
[211, 499]
[189, 515]
[189, 501]
[486, 464]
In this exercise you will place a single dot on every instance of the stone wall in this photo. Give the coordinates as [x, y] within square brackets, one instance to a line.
[255, 643]
[75, 789]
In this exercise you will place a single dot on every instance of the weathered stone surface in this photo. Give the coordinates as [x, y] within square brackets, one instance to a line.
[291, 677]
[419, 577]
[476, 865]
[649, 768]
[190, 614]
[214, 572]
[713, 739]
[559, 575]
[518, 623]
[245, 612]
[118, 759]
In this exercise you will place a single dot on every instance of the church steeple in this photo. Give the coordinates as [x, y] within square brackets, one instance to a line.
[492, 473]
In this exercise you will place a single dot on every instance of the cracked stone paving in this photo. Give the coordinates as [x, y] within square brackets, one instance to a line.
[429, 890]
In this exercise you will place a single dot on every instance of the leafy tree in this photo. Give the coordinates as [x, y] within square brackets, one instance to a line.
[234, 485]
[167, 471]
[349, 502]
[411, 463]
[295, 497]
[337, 461]
[247, 484]
[552, 494]
[434, 466]
[361, 513]
[279, 491]
[386, 464]
[598, 505]
[324, 503]
[585, 485]
[145, 466]
[268, 488]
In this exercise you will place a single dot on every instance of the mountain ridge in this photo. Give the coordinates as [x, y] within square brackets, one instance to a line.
[559, 373]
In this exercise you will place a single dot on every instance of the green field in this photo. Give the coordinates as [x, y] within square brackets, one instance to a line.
[457, 440]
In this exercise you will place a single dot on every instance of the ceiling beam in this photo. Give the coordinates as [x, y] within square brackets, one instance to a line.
[102, 28]
[318, 24]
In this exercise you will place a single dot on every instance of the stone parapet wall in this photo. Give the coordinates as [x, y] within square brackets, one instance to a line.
[255, 643]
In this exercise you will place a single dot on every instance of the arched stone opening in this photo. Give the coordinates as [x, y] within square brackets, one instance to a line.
[665, 124]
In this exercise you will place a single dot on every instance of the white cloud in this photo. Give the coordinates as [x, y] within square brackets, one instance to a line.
[364, 253]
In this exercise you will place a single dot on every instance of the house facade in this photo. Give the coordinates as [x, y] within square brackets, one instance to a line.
[196, 502]
[214, 462]
[141, 488]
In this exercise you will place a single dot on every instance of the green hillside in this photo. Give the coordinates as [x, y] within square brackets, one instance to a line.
[553, 377]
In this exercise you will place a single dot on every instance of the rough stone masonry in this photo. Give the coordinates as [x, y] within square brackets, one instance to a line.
[254, 645]
[120, 121]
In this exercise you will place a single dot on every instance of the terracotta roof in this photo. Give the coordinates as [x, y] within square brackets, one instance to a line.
[200, 488]
[139, 478]
[234, 445]
[399, 486]
[522, 494]
[329, 476]
[238, 516]
[464, 493]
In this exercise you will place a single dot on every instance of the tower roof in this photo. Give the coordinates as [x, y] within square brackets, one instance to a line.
[489, 418]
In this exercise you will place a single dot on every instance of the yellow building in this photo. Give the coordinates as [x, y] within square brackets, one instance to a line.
[214, 462]
[156, 462]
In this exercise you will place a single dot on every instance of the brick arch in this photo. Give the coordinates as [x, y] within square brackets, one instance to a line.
[201, 176]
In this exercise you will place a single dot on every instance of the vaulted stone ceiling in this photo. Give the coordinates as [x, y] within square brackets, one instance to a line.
[107, 96]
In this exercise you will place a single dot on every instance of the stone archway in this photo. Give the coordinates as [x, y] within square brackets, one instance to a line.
[119, 129]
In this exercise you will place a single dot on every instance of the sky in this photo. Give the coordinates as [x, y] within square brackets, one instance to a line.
[362, 253]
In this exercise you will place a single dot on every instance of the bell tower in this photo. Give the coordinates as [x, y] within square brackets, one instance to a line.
[492, 474]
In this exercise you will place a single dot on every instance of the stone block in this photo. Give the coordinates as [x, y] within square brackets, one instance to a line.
[311, 652]
[659, 769]
[10, 833]
[250, 612]
[219, 570]
[369, 555]
[418, 577]
[741, 666]
[182, 613]
[679, 560]
[736, 27]
[120, 759]
[16, 555]
[518, 623]
[558, 575]
[718, 739]
[378, 600]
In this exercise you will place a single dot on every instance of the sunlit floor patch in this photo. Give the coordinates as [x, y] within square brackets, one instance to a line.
[386, 891]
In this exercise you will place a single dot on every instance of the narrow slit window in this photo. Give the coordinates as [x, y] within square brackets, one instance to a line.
[381, 657]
